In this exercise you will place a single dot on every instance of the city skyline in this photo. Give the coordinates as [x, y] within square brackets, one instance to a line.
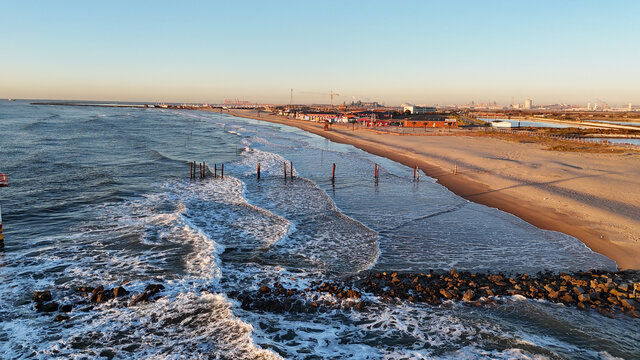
[414, 52]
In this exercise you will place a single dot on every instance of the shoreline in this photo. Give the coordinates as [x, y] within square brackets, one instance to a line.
[604, 228]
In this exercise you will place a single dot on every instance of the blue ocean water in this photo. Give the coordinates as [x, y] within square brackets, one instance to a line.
[103, 196]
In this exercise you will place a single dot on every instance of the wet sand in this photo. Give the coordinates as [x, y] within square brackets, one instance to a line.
[594, 197]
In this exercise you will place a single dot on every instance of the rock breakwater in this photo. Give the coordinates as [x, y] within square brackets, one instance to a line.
[606, 292]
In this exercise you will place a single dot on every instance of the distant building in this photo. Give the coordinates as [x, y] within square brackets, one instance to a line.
[528, 104]
[416, 110]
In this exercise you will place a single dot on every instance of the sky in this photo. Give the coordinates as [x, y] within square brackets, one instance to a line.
[393, 52]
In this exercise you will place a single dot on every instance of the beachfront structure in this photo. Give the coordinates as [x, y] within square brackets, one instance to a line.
[416, 110]
[371, 122]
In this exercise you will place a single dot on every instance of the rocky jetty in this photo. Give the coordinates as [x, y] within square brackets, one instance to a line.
[606, 292]
[91, 296]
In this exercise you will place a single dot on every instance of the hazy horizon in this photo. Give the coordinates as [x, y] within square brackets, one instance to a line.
[416, 52]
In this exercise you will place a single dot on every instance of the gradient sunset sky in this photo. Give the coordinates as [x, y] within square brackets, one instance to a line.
[422, 52]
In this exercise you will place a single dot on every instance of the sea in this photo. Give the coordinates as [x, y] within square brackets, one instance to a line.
[103, 196]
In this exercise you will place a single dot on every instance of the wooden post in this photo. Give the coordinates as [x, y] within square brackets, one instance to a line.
[455, 169]
[333, 174]
[215, 170]
[284, 168]
[418, 172]
[222, 171]
[204, 169]
[258, 172]
[190, 170]
[291, 170]
[414, 172]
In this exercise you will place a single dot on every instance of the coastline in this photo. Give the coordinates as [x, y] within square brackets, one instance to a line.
[578, 194]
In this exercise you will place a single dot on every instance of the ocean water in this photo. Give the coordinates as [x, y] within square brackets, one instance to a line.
[102, 196]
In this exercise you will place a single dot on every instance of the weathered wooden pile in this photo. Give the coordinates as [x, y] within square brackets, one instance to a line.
[606, 292]
[43, 299]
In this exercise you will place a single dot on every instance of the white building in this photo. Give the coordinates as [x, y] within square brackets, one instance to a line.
[528, 104]
[413, 109]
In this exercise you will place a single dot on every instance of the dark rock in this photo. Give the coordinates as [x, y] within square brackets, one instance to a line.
[618, 294]
[630, 304]
[584, 298]
[446, 294]
[567, 298]
[41, 296]
[264, 289]
[85, 289]
[119, 291]
[66, 308]
[141, 298]
[154, 288]
[47, 307]
[61, 318]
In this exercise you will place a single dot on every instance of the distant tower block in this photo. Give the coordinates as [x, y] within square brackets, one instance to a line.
[630, 107]
[528, 104]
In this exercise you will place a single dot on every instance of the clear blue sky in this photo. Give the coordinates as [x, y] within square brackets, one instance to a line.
[390, 51]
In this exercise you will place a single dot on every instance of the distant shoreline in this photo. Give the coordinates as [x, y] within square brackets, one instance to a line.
[565, 192]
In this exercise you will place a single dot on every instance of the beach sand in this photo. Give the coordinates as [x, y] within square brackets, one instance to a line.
[594, 197]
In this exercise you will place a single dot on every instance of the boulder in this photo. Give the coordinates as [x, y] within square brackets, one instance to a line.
[85, 289]
[630, 304]
[119, 291]
[584, 297]
[567, 298]
[141, 298]
[467, 296]
[618, 294]
[446, 294]
[41, 296]
[61, 318]
[47, 307]
[154, 288]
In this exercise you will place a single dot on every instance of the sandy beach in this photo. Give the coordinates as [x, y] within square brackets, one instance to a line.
[594, 197]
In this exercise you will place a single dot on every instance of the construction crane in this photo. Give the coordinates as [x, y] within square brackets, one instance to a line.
[331, 94]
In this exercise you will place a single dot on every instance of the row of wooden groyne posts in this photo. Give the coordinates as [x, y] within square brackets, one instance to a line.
[200, 171]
